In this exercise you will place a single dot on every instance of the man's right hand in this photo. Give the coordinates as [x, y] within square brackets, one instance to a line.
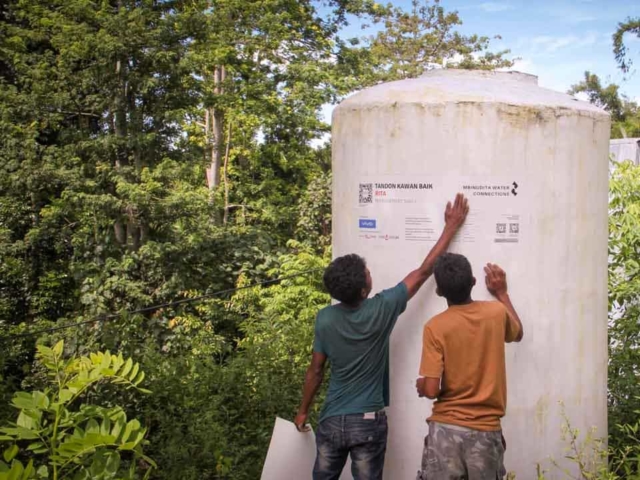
[301, 422]
[496, 280]
[455, 214]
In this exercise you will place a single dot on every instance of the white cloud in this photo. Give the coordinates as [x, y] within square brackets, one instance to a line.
[582, 96]
[555, 77]
[524, 66]
[326, 111]
[582, 18]
[551, 44]
[317, 143]
[494, 7]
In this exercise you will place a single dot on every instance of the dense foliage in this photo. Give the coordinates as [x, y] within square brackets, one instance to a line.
[160, 151]
[83, 441]
[625, 113]
[624, 296]
[155, 152]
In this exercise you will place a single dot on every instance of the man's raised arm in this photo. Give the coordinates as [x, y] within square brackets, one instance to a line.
[454, 217]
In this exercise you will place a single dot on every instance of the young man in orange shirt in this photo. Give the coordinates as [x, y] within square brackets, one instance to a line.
[463, 368]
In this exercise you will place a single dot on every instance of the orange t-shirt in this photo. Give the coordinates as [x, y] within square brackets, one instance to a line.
[464, 346]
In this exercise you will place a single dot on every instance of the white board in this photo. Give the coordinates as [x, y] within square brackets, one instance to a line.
[292, 454]
[393, 221]
[395, 209]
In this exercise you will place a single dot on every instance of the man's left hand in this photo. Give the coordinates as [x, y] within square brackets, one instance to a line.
[420, 387]
[301, 422]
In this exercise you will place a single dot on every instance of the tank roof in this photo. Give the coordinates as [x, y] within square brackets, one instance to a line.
[476, 86]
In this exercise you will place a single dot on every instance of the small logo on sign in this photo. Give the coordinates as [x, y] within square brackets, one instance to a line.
[514, 190]
[367, 223]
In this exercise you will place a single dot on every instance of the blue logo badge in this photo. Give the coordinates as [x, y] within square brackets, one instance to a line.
[367, 223]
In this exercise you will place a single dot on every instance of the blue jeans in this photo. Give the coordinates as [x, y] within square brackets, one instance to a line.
[364, 438]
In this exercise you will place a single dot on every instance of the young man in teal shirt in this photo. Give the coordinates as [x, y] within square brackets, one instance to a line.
[354, 336]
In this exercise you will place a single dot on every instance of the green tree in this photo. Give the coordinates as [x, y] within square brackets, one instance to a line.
[265, 69]
[211, 414]
[314, 223]
[90, 104]
[424, 37]
[630, 26]
[624, 298]
[625, 113]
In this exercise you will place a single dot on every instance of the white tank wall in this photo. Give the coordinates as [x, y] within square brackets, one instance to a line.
[450, 124]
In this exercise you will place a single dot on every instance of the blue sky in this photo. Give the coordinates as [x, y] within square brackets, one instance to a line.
[557, 40]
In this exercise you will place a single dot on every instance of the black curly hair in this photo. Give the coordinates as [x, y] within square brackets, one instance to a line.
[345, 278]
[453, 277]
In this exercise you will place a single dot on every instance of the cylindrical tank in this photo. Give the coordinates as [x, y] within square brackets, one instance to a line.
[534, 165]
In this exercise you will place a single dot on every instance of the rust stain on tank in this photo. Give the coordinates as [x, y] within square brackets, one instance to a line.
[521, 117]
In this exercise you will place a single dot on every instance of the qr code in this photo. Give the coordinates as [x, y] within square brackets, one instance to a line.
[514, 228]
[366, 193]
[501, 227]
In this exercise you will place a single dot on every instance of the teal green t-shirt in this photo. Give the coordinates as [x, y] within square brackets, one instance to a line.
[356, 343]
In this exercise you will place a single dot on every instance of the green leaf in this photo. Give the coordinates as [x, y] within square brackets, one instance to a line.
[58, 348]
[126, 368]
[45, 352]
[40, 400]
[10, 453]
[127, 446]
[16, 471]
[92, 426]
[106, 361]
[23, 401]
[20, 433]
[28, 471]
[105, 426]
[65, 395]
[83, 475]
[138, 380]
[127, 432]
[149, 460]
[134, 371]
[113, 463]
[120, 423]
[97, 467]
[26, 421]
[43, 472]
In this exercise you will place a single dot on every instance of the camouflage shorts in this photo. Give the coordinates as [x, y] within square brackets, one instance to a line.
[457, 453]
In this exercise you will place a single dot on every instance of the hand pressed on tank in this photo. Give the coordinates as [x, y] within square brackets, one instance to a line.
[454, 215]
[495, 279]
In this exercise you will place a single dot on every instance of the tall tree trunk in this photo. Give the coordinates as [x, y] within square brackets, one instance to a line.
[225, 177]
[122, 159]
[120, 130]
[135, 129]
[214, 124]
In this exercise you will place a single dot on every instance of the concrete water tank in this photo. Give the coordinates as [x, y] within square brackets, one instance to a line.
[534, 165]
